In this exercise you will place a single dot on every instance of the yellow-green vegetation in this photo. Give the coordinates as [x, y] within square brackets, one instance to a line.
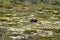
[37, 19]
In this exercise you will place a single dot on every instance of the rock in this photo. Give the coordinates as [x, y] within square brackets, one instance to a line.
[40, 12]
[20, 38]
[31, 1]
[43, 32]
[57, 23]
[12, 37]
[53, 18]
